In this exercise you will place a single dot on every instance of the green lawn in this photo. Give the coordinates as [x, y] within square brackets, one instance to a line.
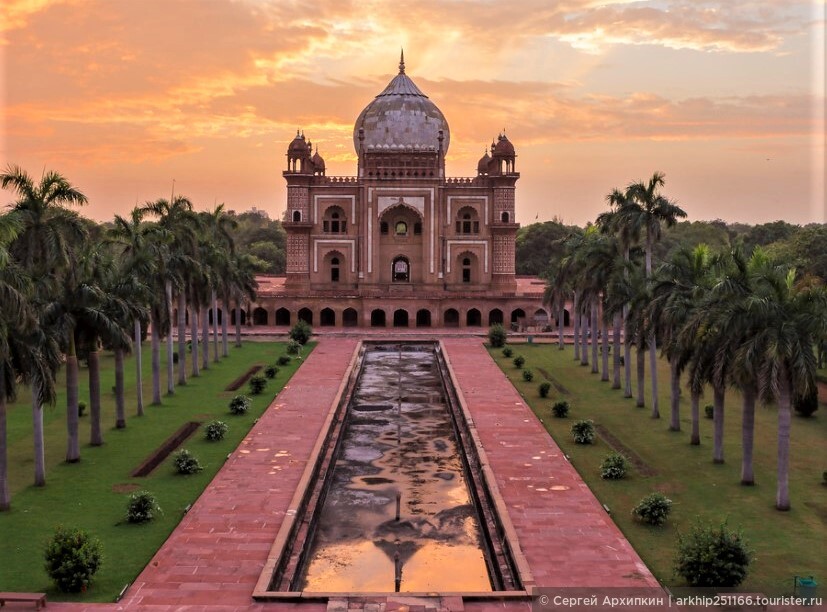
[784, 543]
[90, 494]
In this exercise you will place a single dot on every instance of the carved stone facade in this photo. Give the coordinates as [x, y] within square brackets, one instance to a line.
[400, 244]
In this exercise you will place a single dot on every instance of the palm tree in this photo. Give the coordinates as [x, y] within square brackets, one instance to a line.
[240, 283]
[648, 209]
[218, 226]
[788, 317]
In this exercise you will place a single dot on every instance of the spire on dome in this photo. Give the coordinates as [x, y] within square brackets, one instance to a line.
[402, 61]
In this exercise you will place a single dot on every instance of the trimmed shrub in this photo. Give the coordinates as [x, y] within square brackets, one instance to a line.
[560, 409]
[186, 463]
[72, 558]
[497, 336]
[518, 361]
[293, 347]
[141, 507]
[240, 404]
[653, 509]
[257, 384]
[712, 557]
[583, 432]
[614, 467]
[81, 408]
[283, 360]
[709, 411]
[544, 388]
[301, 332]
[270, 371]
[528, 375]
[215, 430]
[508, 352]
[806, 405]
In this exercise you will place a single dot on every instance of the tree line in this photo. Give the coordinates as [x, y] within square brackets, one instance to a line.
[737, 316]
[69, 287]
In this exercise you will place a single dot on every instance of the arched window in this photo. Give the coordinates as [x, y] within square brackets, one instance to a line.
[297, 216]
[467, 221]
[504, 217]
[401, 271]
[466, 270]
[334, 221]
[417, 229]
[383, 228]
[401, 228]
[334, 270]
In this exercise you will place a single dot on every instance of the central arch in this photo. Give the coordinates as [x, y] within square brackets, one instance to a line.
[350, 318]
[401, 269]
[282, 316]
[377, 318]
[400, 318]
[423, 318]
[306, 315]
[473, 318]
[451, 318]
[327, 317]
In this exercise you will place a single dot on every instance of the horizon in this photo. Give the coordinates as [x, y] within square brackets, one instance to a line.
[728, 102]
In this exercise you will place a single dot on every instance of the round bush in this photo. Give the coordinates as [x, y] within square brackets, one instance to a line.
[712, 557]
[560, 409]
[653, 509]
[72, 558]
[583, 432]
[141, 507]
[709, 411]
[544, 388]
[293, 347]
[81, 408]
[257, 384]
[283, 360]
[270, 371]
[186, 463]
[497, 335]
[614, 467]
[215, 430]
[240, 404]
[518, 361]
[507, 352]
[300, 332]
[528, 375]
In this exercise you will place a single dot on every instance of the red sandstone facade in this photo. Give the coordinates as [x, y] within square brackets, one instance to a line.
[400, 244]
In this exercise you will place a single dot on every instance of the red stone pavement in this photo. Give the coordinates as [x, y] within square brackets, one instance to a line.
[214, 557]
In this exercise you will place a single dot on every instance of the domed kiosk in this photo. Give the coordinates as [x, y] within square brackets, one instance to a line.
[400, 244]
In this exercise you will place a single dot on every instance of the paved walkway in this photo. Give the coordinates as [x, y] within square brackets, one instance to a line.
[214, 557]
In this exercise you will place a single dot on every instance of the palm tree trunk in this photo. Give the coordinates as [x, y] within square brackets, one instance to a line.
[37, 434]
[5, 495]
[226, 306]
[215, 325]
[695, 438]
[718, 425]
[675, 395]
[561, 318]
[594, 325]
[194, 339]
[170, 347]
[96, 438]
[156, 358]
[782, 494]
[205, 338]
[139, 382]
[604, 334]
[238, 323]
[584, 337]
[653, 374]
[627, 356]
[72, 440]
[575, 312]
[616, 323]
[641, 374]
[120, 412]
[182, 337]
[748, 394]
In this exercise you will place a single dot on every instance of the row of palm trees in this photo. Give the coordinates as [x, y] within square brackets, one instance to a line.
[721, 320]
[68, 288]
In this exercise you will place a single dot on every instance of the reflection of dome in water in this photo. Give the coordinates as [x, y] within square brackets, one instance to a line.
[401, 117]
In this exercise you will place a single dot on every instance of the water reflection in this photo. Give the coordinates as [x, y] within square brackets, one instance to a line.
[399, 442]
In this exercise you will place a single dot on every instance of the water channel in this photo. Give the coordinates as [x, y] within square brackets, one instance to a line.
[397, 515]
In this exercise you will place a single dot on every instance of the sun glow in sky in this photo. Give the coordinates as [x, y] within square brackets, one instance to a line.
[123, 96]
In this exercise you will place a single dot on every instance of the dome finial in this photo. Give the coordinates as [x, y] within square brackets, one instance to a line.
[402, 61]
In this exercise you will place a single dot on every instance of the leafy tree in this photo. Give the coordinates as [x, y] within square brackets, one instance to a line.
[538, 244]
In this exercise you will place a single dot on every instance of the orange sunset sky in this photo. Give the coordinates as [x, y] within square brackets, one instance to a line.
[123, 96]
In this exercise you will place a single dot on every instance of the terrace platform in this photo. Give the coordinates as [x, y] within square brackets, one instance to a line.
[213, 559]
